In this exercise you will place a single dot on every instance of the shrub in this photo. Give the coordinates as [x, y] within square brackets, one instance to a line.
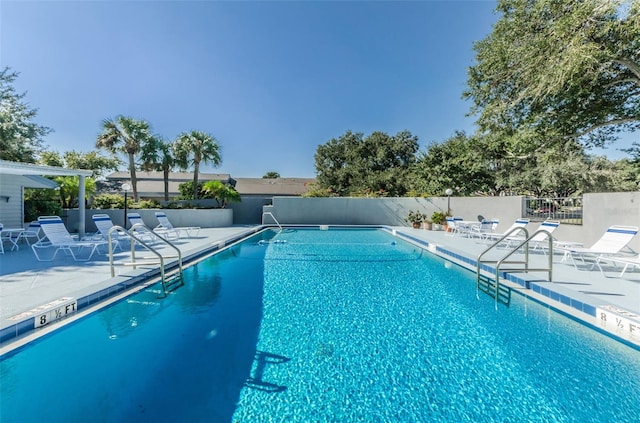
[108, 201]
[439, 217]
[145, 204]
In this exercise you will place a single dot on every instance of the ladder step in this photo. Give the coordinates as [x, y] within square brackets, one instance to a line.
[488, 286]
[173, 282]
[136, 263]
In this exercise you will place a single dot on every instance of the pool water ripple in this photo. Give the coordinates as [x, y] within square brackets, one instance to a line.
[323, 326]
[386, 342]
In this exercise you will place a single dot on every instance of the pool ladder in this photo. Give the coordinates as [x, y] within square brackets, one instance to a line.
[491, 285]
[169, 282]
[268, 213]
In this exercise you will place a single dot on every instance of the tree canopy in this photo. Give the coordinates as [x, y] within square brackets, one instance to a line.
[157, 154]
[554, 72]
[127, 136]
[222, 193]
[271, 175]
[20, 136]
[458, 163]
[374, 165]
[91, 160]
[193, 148]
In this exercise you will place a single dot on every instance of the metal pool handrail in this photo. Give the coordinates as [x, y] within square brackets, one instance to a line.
[268, 213]
[503, 260]
[131, 234]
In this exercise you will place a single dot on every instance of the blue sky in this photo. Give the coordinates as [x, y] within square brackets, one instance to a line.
[269, 80]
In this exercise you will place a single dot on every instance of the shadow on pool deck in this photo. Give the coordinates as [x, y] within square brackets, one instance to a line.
[26, 283]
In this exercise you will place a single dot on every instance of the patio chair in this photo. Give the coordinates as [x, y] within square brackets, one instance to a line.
[165, 224]
[627, 262]
[61, 240]
[611, 243]
[457, 225]
[146, 233]
[482, 229]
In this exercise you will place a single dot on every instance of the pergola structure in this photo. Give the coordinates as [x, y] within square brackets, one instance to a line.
[27, 169]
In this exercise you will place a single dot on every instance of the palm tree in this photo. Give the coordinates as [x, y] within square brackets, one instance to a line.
[125, 135]
[194, 148]
[157, 155]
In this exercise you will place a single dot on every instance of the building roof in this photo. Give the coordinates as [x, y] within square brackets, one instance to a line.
[151, 184]
[173, 176]
[275, 186]
[15, 168]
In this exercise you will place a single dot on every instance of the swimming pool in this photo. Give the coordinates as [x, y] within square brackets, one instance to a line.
[312, 325]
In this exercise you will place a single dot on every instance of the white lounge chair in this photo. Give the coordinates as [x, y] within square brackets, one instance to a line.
[166, 225]
[519, 223]
[146, 233]
[626, 262]
[104, 224]
[539, 239]
[60, 239]
[614, 240]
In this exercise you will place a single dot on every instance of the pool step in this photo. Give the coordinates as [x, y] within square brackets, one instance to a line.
[488, 285]
[172, 282]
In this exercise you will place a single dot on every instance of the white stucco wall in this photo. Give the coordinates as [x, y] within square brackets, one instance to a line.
[204, 218]
[599, 212]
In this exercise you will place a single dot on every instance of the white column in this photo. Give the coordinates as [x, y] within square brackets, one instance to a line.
[81, 214]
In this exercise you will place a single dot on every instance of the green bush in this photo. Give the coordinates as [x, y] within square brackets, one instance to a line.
[439, 217]
[145, 204]
[108, 201]
[36, 208]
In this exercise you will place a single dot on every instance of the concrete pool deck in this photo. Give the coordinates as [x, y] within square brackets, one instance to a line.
[27, 285]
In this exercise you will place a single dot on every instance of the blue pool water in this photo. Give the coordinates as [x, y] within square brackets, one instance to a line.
[310, 325]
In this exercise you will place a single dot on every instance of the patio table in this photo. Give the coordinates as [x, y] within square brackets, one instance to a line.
[12, 235]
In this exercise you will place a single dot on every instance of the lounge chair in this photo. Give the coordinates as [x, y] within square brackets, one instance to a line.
[627, 262]
[614, 240]
[104, 224]
[166, 225]
[539, 239]
[61, 240]
[519, 223]
[146, 233]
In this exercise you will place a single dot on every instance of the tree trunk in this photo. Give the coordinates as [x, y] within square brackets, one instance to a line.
[166, 183]
[134, 180]
[196, 165]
